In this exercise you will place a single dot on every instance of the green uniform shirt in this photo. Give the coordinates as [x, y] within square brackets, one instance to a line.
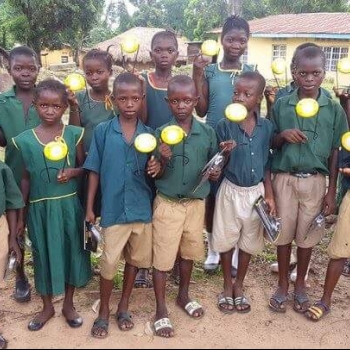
[13, 122]
[183, 172]
[251, 157]
[324, 132]
[10, 195]
[92, 113]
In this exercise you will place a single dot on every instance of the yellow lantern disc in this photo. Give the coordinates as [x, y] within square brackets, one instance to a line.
[75, 82]
[345, 141]
[236, 112]
[210, 48]
[343, 65]
[307, 108]
[278, 66]
[145, 143]
[56, 150]
[130, 44]
[172, 135]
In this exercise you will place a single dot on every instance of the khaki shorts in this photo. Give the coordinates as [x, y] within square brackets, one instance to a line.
[133, 241]
[235, 219]
[4, 248]
[299, 201]
[177, 227]
[339, 247]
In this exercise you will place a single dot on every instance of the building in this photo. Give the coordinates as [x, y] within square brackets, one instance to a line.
[141, 60]
[278, 36]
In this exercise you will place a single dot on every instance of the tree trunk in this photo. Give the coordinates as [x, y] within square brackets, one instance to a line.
[235, 7]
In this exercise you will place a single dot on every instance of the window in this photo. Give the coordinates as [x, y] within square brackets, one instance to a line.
[279, 51]
[333, 55]
[64, 59]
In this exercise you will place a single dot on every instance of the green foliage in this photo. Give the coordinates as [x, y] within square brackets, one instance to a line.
[203, 15]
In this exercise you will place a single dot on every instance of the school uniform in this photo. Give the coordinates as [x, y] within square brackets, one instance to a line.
[220, 86]
[178, 211]
[339, 246]
[55, 216]
[12, 123]
[126, 206]
[301, 169]
[10, 198]
[158, 111]
[236, 222]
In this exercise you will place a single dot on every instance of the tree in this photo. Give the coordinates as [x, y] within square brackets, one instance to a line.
[203, 15]
[48, 22]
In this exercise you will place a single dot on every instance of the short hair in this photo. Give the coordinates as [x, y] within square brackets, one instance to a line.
[103, 56]
[255, 76]
[235, 22]
[23, 51]
[127, 78]
[51, 85]
[298, 48]
[310, 51]
[183, 80]
[165, 34]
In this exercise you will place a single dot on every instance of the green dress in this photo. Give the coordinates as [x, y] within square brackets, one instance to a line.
[55, 216]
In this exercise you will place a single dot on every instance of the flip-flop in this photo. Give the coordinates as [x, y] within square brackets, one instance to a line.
[142, 279]
[3, 342]
[100, 324]
[121, 317]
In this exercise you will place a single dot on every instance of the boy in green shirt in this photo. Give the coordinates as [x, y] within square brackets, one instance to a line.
[17, 114]
[305, 152]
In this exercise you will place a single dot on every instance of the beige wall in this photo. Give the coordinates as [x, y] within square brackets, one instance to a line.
[260, 52]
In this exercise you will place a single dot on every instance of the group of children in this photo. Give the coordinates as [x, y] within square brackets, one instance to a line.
[119, 183]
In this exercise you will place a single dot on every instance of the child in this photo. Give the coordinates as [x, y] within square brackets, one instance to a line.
[18, 114]
[10, 202]
[178, 211]
[338, 249]
[246, 178]
[164, 52]
[92, 107]
[214, 83]
[305, 152]
[126, 198]
[55, 217]
[156, 112]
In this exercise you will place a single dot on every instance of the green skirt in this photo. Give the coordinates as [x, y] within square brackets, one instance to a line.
[55, 228]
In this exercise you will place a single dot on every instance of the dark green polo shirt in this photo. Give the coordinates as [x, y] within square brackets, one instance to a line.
[126, 194]
[13, 122]
[10, 195]
[250, 158]
[324, 132]
[183, 171]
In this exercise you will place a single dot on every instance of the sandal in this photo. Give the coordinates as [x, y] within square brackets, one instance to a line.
[242, 305]
[277, 303]
[227, 301]
[3, 342]
[124, 318]
[346, 269]
[301, 302]
[142, 279]
[100, 324]
[317, 311]
[163, 323]
[192, 308]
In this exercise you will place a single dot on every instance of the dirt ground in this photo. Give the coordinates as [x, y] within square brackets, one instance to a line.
[260, 328]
